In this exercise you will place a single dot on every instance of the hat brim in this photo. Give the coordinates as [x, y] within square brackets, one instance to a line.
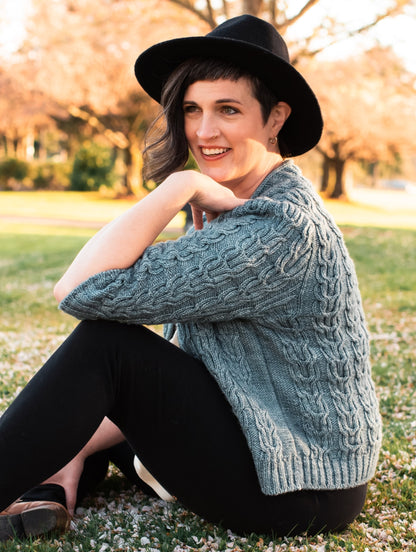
[303, 128]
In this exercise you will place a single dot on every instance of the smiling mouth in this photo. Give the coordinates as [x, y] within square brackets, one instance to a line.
[212, 152]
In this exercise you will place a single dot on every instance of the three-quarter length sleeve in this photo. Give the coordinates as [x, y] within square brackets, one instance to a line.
[237, 266]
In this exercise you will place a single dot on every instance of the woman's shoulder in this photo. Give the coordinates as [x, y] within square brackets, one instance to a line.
[287, 192]
[286, 183]
[284, 193]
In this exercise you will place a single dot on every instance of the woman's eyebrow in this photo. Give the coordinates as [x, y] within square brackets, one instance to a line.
[228, 100]
[220, 101]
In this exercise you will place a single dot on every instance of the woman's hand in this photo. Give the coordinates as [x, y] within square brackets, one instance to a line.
[208, 196]
[68, 478]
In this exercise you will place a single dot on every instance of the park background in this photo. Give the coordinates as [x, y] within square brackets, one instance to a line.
[72, 124]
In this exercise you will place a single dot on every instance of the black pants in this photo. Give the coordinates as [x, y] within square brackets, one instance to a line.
[175, 418]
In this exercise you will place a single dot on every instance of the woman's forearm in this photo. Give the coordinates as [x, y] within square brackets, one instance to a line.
[120, 243]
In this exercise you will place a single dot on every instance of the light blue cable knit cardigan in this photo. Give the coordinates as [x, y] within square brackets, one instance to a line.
[266, 296]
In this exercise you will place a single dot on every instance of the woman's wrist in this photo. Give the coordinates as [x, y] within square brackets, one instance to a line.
[183, 185]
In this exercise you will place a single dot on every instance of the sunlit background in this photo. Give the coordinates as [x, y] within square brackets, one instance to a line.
[399, 32]
[67, 89]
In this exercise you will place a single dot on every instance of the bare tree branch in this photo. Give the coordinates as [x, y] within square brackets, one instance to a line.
[207, 17]
[252, 7]
[210, 10]
[225, 9]
[290, 21]
[272, 10]
[307, 51]
[395, 10]
[116, 138]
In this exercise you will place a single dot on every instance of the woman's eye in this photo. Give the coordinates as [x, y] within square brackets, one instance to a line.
[190, 108]
[228, 110]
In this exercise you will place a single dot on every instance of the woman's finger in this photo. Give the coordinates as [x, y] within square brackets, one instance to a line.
[211, 216]
[197, 217]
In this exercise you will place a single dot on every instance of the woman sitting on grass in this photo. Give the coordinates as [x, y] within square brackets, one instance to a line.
[264, 418]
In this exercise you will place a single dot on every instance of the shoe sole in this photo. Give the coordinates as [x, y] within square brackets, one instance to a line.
[28, 524]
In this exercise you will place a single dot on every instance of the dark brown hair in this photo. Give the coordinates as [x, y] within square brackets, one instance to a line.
[166, 147]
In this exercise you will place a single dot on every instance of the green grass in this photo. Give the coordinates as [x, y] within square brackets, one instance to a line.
[33, 257]
[92, 208]
[30, 265]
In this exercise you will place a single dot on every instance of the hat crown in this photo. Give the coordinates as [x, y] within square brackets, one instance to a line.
[255, 31]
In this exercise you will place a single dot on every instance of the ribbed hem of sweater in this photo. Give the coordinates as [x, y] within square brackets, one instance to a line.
[316, 471]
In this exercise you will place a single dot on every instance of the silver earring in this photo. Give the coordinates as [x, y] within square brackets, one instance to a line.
[273, 140]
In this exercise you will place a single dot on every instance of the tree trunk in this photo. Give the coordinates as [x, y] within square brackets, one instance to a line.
[39, 146]
[20, 148]
[133, 160]
[5, 145]
[338, 166]
[325, 173]
[373, 172]
[333, 176]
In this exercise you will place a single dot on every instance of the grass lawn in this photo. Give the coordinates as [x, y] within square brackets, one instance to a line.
[32, 258]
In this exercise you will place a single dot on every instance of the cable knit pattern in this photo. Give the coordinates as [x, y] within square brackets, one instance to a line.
[267, 297]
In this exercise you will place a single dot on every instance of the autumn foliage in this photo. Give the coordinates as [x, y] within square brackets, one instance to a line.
[72, 80]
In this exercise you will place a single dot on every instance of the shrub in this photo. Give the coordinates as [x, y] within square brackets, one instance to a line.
[50, 175]
[93, 167]
[12, 170]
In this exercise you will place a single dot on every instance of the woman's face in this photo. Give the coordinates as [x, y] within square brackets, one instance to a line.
[227, 135]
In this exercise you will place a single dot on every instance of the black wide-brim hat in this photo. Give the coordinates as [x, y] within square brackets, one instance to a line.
[256, 47]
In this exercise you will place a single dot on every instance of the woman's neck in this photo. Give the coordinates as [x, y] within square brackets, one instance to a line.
[246, 187]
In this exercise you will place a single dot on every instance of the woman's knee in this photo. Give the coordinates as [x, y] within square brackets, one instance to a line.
[104, 332]
[100, 329]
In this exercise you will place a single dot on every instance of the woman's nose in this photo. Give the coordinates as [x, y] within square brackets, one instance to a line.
[207, 129]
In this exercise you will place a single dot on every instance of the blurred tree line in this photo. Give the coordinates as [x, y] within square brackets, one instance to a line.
[73, 115]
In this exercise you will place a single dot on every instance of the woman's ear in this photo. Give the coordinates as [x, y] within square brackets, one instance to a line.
[278, 116]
